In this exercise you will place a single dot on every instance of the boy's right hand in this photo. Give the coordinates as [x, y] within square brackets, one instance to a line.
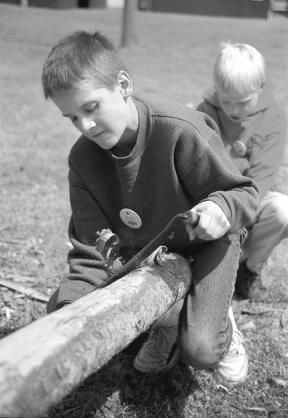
[212, 224]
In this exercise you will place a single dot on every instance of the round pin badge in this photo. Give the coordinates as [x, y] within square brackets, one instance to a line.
[130, 218]
[239, 148]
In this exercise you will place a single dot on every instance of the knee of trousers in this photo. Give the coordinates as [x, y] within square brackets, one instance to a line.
[201, 351]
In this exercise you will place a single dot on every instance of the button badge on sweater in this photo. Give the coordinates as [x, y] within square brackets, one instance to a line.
[130, 218]
[239, 148]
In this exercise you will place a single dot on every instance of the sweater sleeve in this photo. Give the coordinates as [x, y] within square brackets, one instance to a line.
[214, 177]
[86, 265]
[267, 154]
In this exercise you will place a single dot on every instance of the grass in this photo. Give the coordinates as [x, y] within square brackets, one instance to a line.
[171, 61]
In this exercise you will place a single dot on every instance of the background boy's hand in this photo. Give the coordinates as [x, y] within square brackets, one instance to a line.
[213, 223]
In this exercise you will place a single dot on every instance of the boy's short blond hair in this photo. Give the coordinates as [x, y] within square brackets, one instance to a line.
[239, 68]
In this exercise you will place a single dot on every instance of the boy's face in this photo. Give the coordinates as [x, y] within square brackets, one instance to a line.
[237, 106]
[104, 116]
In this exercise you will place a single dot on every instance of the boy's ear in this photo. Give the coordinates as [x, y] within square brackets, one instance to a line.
[126, 84]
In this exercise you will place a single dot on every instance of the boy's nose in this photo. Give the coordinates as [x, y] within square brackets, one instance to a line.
[233, 107]
[234, 110]
[87, 124]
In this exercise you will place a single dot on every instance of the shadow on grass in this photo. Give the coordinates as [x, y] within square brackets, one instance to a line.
[118, 390]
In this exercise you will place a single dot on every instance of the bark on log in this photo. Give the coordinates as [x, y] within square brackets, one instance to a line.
[44, 361]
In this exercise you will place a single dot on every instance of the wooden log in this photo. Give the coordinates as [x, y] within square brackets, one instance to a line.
[44, 361]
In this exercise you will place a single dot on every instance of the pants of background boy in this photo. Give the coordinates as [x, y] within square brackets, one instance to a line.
[205, 330]
[269, 229]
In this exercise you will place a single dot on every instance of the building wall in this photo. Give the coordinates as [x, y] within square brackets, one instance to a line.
[237, 8]
[115, 3]
[69, 3]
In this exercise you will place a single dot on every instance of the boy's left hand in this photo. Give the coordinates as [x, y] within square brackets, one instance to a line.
[213, 223]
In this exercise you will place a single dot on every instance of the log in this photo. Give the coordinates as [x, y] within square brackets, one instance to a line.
[44, 361]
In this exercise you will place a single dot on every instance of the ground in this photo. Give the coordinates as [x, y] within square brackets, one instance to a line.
[171, 61]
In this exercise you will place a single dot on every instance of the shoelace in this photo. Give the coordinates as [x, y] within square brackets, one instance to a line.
[237, 341]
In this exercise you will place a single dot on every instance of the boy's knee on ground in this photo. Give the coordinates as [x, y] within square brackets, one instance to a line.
[201, 351]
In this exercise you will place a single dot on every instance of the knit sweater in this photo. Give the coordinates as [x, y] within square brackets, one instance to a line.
[178, 161]
[263, 133]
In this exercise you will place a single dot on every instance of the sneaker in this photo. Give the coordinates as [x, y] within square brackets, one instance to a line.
[160, 352]
[248, 284]
[234, 366]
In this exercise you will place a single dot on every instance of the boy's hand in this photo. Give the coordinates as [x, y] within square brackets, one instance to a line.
[212, 224]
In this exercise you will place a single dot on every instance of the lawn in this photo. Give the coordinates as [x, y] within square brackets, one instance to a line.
[171, 61]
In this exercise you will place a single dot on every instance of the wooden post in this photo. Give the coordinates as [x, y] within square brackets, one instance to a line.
[44, 361]
[24, 3]
[128, 23]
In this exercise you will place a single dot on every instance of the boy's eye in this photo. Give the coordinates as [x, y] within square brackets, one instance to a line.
[244, 102]
[91, 108]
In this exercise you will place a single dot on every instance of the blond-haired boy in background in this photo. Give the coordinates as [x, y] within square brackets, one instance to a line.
[253, 130]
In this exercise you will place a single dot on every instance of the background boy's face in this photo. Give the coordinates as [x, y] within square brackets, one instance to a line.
[100, 114]
[237, 106]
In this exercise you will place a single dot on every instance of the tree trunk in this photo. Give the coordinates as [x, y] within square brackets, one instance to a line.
[42, 362]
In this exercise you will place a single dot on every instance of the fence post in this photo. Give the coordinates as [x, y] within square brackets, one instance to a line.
[128, 23]
[44, 361]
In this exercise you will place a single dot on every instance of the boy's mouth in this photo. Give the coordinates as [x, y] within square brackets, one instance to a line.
[235, 118]
[95, 135]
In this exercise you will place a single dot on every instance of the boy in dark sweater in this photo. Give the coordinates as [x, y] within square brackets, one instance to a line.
[134, 167]
[253, 131]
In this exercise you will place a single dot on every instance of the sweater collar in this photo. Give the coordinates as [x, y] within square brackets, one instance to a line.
[143, 133]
